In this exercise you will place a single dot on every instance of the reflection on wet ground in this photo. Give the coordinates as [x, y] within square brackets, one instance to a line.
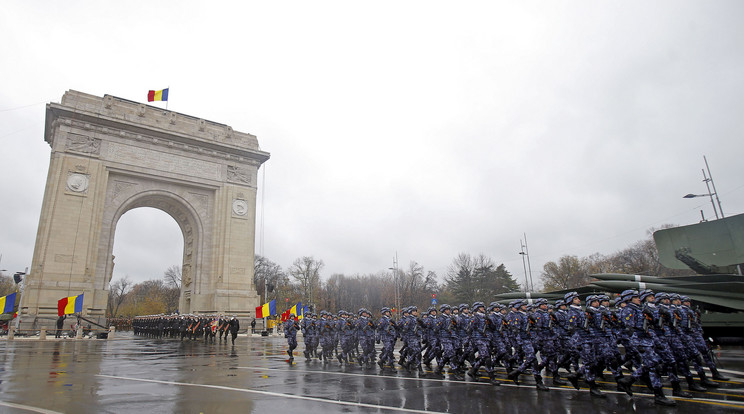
[140, 375]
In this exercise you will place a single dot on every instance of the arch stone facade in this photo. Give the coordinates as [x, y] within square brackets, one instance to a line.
[111, 155]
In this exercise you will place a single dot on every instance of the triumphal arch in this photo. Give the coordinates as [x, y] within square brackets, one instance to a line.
[110, 155]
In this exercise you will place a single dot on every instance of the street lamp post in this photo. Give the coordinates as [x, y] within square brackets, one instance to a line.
[708, 180]
[395, 282]
[524, 265]
[529, 266]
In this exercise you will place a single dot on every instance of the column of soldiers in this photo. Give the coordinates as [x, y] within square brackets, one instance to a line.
[191, 327]
[660, 333]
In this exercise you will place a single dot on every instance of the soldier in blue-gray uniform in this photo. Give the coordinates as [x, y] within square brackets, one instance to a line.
[669, 319]
[641, 318]
[695, 333]
[404, 313]
[326, 330]
[479, 332]
[521, 327]
[290, 332]
[386, 333]
[583, 339]
[433, 348]
[365, 328]
[567, 355]
[345, 329]
[686, 326]
[447, 332]
[411, 331]
[496, 336]
[309, 334]
[605, 347]
[545, 340]
[464, 349]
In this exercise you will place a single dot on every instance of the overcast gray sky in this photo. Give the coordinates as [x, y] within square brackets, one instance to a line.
[424, 128]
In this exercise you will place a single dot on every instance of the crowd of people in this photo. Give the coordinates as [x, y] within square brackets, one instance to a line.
[660, 333]
[192, 327]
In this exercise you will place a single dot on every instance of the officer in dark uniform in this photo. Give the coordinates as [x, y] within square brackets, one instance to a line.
[234, 328]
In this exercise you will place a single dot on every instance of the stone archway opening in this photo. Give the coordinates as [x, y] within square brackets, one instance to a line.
[147, 242]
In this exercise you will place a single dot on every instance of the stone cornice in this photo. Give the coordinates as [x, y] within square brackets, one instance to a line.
[111, 116]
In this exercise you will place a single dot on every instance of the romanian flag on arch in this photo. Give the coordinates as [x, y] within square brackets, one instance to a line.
[70, 304]
[7, 303]
[267, 309]
[161, 95]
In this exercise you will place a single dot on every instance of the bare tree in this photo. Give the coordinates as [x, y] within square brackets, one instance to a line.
[268, 276]
[172, 277]
[118, 291]
[306, 270]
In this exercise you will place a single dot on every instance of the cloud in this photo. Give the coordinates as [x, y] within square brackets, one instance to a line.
[418, 128]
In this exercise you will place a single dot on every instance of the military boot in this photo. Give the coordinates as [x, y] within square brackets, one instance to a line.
[693, 386]
[678, 392]
[557, 380]
[573, 378]
[661, 399]
[647, 382]
[717, 375]
[627, 384]
[457, 375]
[539, 384]
[514, 376]
[594, 390]
[492, 377]
[706, 382]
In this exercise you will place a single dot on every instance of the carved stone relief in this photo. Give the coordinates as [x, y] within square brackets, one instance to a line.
[238, 174]
[77, 183]
[83, 144]
[240, 207]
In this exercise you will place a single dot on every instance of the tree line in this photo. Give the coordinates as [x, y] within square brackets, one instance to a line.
[641, 258]
[467, 278]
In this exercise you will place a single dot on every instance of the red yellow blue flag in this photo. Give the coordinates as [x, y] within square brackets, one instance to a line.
[70, 304]
[267, 309]
[161, 95]
[7, 303]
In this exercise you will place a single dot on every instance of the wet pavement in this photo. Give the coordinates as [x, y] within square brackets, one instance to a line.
[140, 375]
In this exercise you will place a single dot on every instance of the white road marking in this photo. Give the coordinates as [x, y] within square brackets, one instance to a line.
[28, 408]
[506, 384]
[272, 394]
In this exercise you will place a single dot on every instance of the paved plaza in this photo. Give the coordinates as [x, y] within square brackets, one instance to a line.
[140, 375]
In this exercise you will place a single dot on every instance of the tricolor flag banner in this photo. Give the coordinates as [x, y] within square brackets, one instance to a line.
[296, 310]
[267, 309]
[7, 303]
[157, 95]
[70, 304]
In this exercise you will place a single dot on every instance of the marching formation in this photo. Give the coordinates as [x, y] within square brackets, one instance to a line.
[660, 333]
[192, 327]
